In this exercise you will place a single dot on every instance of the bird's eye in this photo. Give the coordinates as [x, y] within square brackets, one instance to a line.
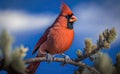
[69, 16]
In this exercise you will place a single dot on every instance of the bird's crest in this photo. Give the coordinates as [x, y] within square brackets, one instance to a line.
[65, 10]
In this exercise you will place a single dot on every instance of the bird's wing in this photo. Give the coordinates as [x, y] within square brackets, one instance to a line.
[41, 41]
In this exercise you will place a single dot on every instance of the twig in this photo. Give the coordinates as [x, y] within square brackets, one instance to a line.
[88, 55]
[62, 60]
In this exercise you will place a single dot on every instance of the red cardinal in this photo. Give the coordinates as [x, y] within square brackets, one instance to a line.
[57, 38]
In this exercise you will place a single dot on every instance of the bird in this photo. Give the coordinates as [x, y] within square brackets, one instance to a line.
[57, 38]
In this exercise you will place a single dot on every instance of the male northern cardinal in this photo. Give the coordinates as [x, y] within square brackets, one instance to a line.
[57, 38]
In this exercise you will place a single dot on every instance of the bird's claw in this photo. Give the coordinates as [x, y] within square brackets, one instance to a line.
[67, 58]
[49, 58]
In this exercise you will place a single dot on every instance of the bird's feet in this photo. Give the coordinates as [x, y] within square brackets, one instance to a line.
[49, 57]
[66, 58]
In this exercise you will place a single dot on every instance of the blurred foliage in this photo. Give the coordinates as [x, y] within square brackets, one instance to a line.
[118, 63]
[102, 62]
[88, 46]
[79, 53]
[109, 36]
[11, 59]
[104, 41]
[86, 71]
[82, 70]
[5, 46]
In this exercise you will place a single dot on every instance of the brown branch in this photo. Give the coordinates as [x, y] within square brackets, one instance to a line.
[90, 54]
[80, 64]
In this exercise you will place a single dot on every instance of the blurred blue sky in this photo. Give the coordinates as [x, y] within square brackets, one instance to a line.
[27, 20]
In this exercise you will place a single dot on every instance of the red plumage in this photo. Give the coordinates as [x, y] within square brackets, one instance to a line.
[57, 38]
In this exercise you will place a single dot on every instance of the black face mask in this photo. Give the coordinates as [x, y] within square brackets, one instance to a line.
[69, 24]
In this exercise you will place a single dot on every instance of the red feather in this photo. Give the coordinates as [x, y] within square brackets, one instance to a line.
[41, 41]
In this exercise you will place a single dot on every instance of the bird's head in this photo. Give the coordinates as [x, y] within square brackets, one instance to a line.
[68, 14]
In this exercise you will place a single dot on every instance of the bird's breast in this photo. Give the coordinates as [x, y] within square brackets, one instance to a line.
[60, 39]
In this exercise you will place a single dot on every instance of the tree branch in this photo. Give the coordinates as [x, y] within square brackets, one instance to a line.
[90, 54]
[80, 64]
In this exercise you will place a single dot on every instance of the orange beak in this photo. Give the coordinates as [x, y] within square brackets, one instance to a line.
[73, 19]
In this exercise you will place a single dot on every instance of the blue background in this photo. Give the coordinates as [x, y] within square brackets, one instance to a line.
[29, 38]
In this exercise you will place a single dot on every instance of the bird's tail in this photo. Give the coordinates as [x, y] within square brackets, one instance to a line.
[32, 67]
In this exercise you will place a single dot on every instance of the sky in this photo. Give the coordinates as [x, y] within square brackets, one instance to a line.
[26, 21]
